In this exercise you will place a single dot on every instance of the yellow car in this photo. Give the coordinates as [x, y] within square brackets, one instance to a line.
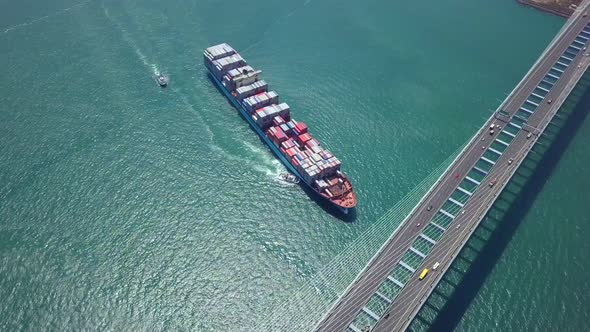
[423, 274]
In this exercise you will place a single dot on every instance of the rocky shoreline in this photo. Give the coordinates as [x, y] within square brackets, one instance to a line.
[563, 8]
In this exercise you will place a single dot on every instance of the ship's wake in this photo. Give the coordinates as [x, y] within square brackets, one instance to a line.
[271, 25]
[43, 18]
[152, 67]
[192, 108]
[262, 161]
[265, 161]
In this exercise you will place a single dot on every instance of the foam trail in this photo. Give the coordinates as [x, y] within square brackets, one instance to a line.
[151, 66]
[228, 155]
[191, 108]
[273, 170]
[155, 69]
[259, 152]
[272, 166]
[278, 168]
[43, 18]
[279, 19]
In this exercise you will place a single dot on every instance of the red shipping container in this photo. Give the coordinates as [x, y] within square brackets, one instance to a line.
[291, 152]
[280, 134]
[301, 128]
[303, 138]
[294, 162]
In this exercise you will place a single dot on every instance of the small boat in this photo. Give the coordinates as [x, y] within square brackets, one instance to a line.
[162, 80]
[288, 177]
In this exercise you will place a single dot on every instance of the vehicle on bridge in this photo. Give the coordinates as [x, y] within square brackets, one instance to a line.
[435, 266]
[423, 274]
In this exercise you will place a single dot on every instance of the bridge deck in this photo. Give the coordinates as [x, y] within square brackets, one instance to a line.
[443, 221]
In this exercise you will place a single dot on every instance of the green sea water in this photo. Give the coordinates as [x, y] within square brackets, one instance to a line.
[128, 207]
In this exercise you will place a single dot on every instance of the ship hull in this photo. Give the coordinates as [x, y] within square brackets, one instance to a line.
[268, 142]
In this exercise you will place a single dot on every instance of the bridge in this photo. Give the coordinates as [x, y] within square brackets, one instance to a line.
[388, 293]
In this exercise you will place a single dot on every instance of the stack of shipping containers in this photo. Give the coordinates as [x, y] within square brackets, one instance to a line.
[316, 165]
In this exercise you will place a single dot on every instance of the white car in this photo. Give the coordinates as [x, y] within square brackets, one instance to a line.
[435, 266]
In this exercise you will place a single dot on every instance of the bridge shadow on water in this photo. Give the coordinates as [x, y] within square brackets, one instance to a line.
[462, 282]
[325, 205]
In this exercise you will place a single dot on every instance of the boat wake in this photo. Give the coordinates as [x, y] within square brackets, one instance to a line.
[226, 155]
[149, 65]
[43, 18]
[276, 21]
[268, 165]
[192, 109]
[261, 163]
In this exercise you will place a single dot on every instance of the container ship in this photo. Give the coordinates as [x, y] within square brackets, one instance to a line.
[288, 139]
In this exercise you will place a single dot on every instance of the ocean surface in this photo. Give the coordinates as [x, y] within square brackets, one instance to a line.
[128, 207]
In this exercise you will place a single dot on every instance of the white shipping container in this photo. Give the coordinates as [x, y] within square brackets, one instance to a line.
[221, 66]
[270, 112]
[219, 51]
[252, 89]
[260, 100]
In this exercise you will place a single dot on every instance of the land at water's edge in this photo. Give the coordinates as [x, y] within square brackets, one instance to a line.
[562, 8]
